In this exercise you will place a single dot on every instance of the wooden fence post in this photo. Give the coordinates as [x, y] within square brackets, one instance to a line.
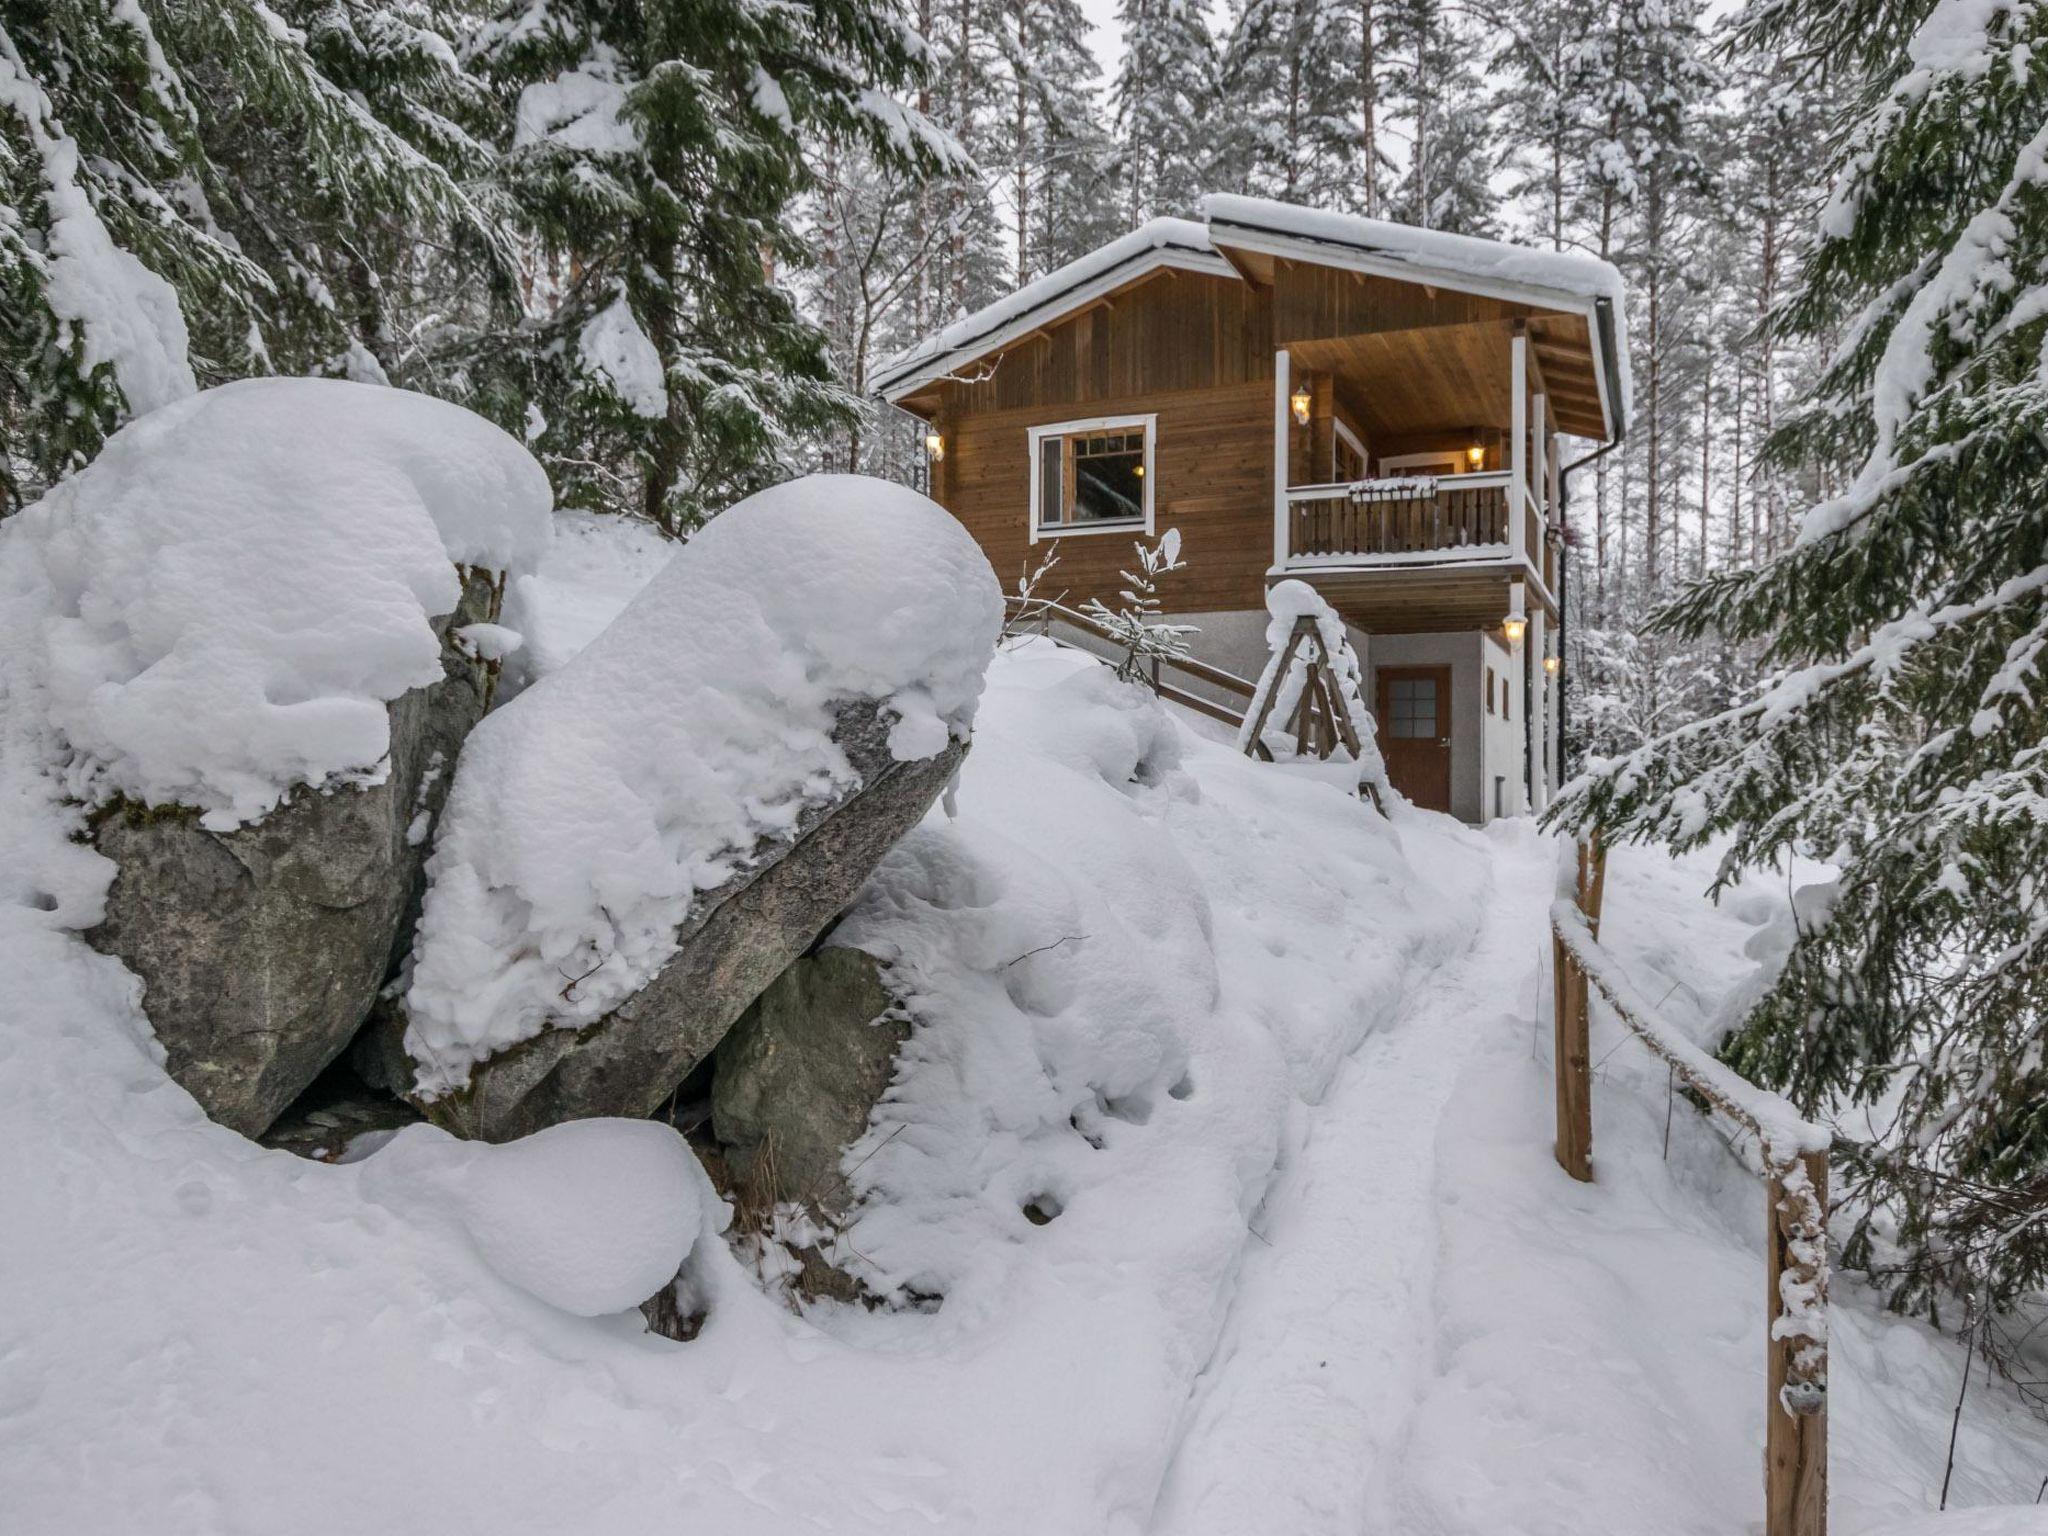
[1572, 1044]
[1795, 1410]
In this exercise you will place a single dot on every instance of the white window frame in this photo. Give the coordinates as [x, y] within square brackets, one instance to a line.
[1150, 424]
[1455, 457]
[1352, 440]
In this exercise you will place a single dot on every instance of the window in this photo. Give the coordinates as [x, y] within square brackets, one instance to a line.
[1442, 462]
[1091, 477]
[1507, 697]
[1411, 708]
[1489, 692]
[1347, 454]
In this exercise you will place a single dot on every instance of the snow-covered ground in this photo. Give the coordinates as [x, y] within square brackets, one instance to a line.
[1272, 1065]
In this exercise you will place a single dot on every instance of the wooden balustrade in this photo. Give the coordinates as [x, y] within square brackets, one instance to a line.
[1794, 1154]
[1467, 512]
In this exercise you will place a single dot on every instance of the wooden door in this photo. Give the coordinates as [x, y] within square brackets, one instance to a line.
[1415, 733]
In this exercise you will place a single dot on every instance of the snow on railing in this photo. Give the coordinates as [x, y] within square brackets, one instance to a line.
[1794, 1152]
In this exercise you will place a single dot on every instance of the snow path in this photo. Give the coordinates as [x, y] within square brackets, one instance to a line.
[1327, 1350]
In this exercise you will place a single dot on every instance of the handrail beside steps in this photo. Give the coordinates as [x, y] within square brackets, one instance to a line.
[1794, 1152]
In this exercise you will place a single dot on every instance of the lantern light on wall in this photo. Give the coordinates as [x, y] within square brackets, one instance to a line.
[1476, 457]
[1300, 401]
[934, 447]
[1551, 665]
[1514, 626]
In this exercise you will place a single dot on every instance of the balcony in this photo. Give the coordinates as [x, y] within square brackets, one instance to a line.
[1401, 520]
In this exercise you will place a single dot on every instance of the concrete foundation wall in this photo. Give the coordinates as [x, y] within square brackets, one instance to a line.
[1501, 733]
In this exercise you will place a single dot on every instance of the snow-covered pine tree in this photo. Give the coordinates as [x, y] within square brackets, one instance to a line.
[1780, 137]
[1166, 104]
[1433, 85]
[1054, 157]
[656, 153]
[179, 187]
[1902, 739]
[1544, 114]
[414, 282]
[1290, 73]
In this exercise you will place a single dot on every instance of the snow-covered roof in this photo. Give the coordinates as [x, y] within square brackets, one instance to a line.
[1180, 243]
[1567, 274]
[1560, 280]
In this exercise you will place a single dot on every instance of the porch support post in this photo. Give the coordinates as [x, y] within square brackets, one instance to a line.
[1518, 444]
[1518, 608]
[1538, 722]
[1282, 387]
[1553, 756]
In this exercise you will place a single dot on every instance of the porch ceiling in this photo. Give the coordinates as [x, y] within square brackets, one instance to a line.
[1451, 377]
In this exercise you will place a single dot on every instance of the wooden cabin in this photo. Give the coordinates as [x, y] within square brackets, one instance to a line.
[1372, 408]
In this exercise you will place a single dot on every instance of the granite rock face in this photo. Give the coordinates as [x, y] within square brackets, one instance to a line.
[799, 1075]
[262, 949]
[737, 940]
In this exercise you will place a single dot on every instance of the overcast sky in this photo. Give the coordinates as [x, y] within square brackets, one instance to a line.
[1104, 37]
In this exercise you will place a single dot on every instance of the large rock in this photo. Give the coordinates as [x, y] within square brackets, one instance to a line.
[798, 1076]
[262, 949]
[736, 940]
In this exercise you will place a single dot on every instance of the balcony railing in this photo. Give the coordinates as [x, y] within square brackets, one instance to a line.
[1398, 520]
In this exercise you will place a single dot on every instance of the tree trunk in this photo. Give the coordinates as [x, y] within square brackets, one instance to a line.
[1020, 150]
[1368, 110]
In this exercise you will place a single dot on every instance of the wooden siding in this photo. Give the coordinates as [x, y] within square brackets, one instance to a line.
[1212, 461]
[1170, 331]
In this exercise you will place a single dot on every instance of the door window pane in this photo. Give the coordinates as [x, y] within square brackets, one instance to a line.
[1411, 708]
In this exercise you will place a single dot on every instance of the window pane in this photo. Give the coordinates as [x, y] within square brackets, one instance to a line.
[1051, 483]
[1109, 479]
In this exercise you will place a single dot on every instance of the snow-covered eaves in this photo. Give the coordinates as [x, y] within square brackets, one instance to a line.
[1559, 280]
[1177, 243]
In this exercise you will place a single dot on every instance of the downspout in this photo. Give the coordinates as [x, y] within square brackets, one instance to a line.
[1564, 566]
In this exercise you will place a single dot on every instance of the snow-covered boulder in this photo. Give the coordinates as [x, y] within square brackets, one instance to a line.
[637, 845]
[231, 636]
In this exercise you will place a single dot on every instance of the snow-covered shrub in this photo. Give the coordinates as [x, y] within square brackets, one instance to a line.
[221, 605]
[590, 812]
[1137, 626]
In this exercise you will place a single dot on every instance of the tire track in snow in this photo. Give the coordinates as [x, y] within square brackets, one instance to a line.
[1330, 1335]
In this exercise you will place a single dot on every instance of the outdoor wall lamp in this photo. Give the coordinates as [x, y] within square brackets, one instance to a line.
[1551, 665]
[1514, 626]
[934, 447]
[1300, 401]
[1476, 457]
